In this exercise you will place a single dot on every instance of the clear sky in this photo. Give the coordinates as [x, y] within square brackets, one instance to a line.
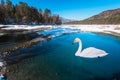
[74, 9]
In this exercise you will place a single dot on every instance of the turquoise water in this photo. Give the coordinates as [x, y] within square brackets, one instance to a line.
[55, 59]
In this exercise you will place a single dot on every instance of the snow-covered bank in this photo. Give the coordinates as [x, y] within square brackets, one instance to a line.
[108, 29]
[25, 27]
[1, 26]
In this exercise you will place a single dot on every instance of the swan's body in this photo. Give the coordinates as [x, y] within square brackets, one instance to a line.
[90, 52]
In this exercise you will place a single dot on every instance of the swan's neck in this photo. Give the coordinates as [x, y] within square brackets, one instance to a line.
[79, 49]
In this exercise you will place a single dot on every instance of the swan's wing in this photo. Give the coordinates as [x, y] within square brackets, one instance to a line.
[92, 52]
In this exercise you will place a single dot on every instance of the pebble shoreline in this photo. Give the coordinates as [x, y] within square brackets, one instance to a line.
[5, 52]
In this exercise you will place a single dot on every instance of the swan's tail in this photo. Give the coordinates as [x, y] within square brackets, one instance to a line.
[105, 54]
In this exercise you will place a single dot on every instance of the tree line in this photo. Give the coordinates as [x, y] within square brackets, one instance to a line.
[22, 13]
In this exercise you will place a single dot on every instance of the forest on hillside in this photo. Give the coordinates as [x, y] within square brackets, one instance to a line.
[110, 20]
[105, 17]
[22, 13]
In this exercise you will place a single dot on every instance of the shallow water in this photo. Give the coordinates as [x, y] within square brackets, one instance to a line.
[55, 59]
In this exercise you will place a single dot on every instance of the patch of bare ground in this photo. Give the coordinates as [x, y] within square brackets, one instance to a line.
[117, 28]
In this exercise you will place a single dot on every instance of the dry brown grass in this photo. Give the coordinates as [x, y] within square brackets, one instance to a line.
[72, 26]
[117, 28]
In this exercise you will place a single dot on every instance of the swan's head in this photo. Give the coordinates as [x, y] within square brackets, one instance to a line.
[76, 40]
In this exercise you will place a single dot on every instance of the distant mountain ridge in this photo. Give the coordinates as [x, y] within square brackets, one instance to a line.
[105, 17]
[65, 20]
[106, 14]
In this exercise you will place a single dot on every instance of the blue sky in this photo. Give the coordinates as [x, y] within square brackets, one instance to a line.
[74, 9]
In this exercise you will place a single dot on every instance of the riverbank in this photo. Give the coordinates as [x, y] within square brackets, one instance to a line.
[22, 29]
[113, 30]
[8, 50]
[18, 30]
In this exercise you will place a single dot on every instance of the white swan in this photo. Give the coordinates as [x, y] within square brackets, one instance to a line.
[90, 52]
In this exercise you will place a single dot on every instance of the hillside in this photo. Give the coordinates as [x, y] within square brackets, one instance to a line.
[105, 17]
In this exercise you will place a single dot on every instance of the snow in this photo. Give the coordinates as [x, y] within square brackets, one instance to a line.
[1, 34]
[1, 64]
[25, 27]
[96, 28]
[112, 29]
[1, 25]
